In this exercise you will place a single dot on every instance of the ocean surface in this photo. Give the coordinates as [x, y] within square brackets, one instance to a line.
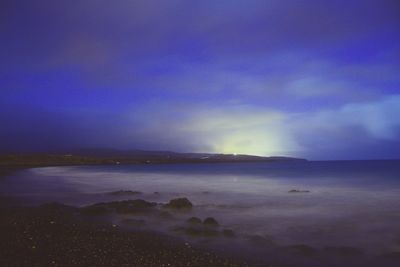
[349, 203]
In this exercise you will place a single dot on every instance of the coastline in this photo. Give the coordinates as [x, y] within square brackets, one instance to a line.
[23, 225]
[53, 235]
[56, 235]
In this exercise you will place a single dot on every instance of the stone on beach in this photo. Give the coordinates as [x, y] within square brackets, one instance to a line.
[132, 206]
[298, 191]
[210, 221]
[33, 240]
[125, 206]
[179, 203]
[193, 220]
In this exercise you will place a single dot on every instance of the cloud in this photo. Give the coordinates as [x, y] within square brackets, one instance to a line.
[149, 29]
[264, 131]
[259, 77]
[361, 130]
[377, 119]
[353, 131]
[234, 129]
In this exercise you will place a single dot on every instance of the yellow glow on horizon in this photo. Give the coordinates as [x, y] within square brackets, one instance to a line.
[254, 142]
[243, 130]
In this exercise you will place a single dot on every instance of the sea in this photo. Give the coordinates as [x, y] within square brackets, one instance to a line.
[352, 204]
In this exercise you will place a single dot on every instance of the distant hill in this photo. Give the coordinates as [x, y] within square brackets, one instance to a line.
[148, 154]
[113, 156]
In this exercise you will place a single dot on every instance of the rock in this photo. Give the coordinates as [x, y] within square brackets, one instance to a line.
[179, 203]
[193, 220]
[298, 191]
[197, 228]
[228, 233]
[132, 206]
[200, 231]
[210, 221]
[125, 206]
[125, 192]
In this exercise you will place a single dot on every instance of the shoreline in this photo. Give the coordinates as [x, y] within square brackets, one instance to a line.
[129, 157]
[54, 235]
[33, 223]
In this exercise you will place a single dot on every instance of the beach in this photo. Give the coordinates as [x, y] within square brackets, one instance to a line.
[55, 235]
[197, 215]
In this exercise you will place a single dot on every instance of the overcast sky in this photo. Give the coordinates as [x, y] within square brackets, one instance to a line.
[314, 78]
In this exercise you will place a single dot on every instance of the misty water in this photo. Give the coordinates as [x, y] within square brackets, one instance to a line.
[354, 203]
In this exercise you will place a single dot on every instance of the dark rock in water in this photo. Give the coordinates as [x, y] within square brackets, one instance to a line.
[131, 206]
[210, 221]
[125, 206]
[344, 251]
[194, 220]
[298, 191]
[206, 192]
[302, 249]
[125, 192]
[179, 203]
[197, 228]
[200, 231]
[156, 193]
[228, 233]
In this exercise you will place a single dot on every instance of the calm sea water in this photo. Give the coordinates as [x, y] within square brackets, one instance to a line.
[350, 203]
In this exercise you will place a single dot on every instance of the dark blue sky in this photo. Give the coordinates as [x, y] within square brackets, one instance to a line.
[314, 78]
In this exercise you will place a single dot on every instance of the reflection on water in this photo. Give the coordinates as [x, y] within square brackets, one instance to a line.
[349, 203]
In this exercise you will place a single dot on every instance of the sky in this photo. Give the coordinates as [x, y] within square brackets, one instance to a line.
[315, 79]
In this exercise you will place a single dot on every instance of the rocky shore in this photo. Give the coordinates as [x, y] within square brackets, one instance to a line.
[56, 235]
